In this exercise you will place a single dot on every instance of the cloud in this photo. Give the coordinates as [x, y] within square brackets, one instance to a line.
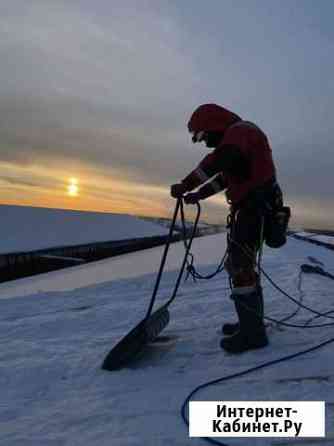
[59, 49]
[106, 93]
[305, 169]
[105, 89]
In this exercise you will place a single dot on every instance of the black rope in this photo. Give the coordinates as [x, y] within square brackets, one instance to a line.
[316, 317]
[281, 322]
[191, 270]
[179, 206]
[163, 259]
[299, 303]
[242, 373]
[301, 297]
[188, 246]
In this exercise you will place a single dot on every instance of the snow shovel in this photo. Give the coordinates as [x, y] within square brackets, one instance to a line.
[149, 328]
[143, 333]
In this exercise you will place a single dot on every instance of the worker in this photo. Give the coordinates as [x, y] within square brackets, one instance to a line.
[241, 164]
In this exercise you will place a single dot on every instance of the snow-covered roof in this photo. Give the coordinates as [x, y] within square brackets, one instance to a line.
[53, 344]
[324, 239]
[304, 234]
[316, 238]
[25, 228]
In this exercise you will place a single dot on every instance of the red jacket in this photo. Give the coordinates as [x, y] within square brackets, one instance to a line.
[253, 145]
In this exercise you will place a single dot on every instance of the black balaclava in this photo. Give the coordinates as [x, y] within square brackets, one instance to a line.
[213, 139]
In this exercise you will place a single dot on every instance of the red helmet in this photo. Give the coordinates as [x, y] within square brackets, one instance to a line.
[211, 118]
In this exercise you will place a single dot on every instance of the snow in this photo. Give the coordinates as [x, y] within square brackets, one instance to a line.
[120, 267]
[53, 392]
[305, 234]
[25, 228]
[324, 239]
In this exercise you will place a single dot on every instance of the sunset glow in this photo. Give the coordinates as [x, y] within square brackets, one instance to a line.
[79, 131]
[72, 188]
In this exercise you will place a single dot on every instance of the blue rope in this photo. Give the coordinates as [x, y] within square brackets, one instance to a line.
[237, 375]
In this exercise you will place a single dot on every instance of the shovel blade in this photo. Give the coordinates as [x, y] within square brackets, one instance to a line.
[128, 347]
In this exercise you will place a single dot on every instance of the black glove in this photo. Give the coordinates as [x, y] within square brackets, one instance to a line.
[191, 198]
[177, 190]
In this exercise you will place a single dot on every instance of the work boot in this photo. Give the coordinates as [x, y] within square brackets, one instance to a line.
[231, 328]
[252, 332]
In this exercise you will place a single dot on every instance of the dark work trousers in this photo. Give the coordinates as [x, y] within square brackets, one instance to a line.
[244, 241]
[247, 226]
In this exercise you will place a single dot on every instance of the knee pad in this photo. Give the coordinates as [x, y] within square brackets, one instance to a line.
[244, 277]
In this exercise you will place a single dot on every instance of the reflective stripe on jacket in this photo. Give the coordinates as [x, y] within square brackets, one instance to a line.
[253, 145]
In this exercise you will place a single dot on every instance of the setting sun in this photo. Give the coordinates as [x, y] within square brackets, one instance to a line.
[72, 188]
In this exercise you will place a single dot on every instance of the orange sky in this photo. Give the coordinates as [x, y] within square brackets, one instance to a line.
[87, 93]
[47, 186]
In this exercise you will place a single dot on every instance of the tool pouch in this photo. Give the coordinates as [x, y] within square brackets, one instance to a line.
[276, 225]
